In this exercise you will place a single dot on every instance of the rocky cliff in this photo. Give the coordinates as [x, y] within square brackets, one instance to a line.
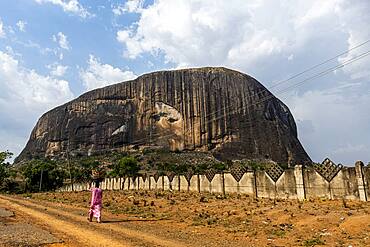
[222, 111]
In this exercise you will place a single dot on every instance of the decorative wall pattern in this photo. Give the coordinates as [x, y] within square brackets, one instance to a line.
[327, 169]
[324, 180]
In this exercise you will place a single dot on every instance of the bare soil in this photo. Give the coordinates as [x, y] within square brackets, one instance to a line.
[159, 218]
[16, 232]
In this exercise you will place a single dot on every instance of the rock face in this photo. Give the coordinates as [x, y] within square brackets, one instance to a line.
[222, 111]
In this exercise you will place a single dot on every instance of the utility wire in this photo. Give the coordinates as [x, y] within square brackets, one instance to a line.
[271, 96]
[321, 74]
[298, 74]
[318, 75]
[318, 65]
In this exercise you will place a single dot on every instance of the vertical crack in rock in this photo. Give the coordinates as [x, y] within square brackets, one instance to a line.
[219, 110]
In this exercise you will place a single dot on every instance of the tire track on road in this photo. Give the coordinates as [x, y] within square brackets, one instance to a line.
[119, 230]
[83, 236]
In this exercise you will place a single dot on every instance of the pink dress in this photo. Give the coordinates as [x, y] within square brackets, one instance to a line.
[96, 202]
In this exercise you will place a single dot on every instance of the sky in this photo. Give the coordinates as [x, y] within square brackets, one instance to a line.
[52, 51]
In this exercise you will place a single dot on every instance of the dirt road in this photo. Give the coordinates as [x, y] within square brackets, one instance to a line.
[69, 224]
[159, 218]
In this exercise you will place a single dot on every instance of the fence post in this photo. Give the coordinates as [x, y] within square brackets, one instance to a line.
[360, 181]
[223, 184]
[255, 184]
[299, 183]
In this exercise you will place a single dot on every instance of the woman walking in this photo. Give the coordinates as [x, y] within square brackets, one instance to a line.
[96, 203]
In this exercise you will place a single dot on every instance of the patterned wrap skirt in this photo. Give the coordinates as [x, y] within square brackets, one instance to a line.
[96, 210]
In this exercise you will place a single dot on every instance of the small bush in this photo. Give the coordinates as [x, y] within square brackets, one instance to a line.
[313, 242]
[126, 166]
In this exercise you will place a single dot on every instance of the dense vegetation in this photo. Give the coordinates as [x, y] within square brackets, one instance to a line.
[7, 174]
[42, 175]
[47, 175]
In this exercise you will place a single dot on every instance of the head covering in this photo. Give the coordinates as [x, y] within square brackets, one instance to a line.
[97, 182]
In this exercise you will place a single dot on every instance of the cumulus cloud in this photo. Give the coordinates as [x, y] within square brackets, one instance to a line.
[21, 25]
[61, 39]
[333, 123]
[131, 6]
[69, 6]
[25, 95]
[237, 33]
[199, 32]
[273, 40]
[29, 87]
[57, 70]
[98, 75]
[354, 19]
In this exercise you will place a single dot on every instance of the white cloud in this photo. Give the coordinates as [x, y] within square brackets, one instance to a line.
[57, 69]
[99, 75]
[131, 6]
[2, 32]
[354, 19]
[119, 9]
[29, 87]
[21, 25]
[24, 96]
[273, 40]
[208, 32]
[242, 34]
[70, 6]
[61, 38]
[333, 123]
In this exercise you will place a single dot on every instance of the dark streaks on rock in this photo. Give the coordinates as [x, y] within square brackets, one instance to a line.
[205, 109]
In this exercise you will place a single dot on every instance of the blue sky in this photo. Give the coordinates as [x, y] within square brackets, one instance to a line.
[54, 50]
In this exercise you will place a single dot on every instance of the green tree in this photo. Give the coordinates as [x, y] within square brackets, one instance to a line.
[82, 169]
[218, 166]
[201, 168]
[182, 168]
[4, 166]
[127, 166]
[43, 174]
[256, 166]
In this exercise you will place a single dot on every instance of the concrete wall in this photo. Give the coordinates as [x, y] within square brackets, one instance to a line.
[294, 183]
[366, 171]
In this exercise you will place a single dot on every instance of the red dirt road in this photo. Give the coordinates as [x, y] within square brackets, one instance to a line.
[157, 218]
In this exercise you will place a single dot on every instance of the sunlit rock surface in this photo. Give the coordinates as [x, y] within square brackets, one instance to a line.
[219, 110]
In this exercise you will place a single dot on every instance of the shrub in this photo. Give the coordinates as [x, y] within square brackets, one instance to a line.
[313, 242]
[42, 174]
[127, 166]
[5, 168]
[82, 169]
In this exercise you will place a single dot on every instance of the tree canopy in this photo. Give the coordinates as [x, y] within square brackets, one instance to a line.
[43, 174]
[126, 166]
[4, 166]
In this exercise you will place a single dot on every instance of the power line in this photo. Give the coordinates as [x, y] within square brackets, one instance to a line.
[301, 73]
[318, 75]
[318, 65]
[321, 74]
[325, 72]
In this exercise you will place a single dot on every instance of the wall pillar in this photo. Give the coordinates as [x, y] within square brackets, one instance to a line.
[223, 184]
[362, 186]
[299, 183]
